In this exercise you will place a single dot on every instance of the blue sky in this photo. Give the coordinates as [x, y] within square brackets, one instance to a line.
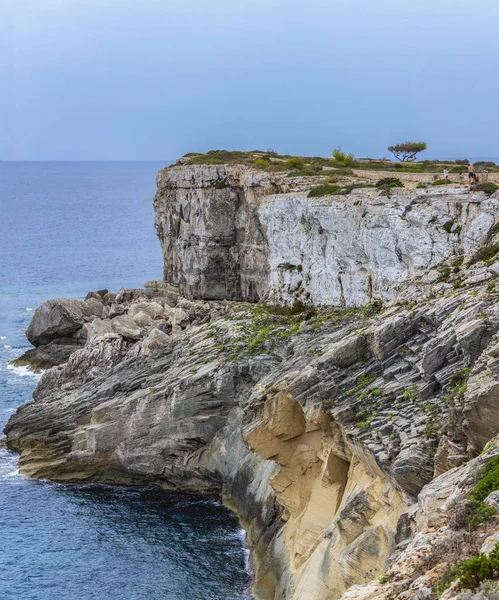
[154, 79]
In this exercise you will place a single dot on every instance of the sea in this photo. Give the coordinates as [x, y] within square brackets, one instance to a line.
[67, 228]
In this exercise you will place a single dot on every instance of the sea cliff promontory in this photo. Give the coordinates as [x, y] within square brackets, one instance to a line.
[326, 363]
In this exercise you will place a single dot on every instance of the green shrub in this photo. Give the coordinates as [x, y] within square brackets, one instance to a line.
[487, 480]
[389, 182]
[481, 513]
[484, 164]
[343, 157]
[411, 393]
[440, 182]
[261, 162]
[421, 186]
[489, 188]
[327, 189]
[294, 163]
[430, 430]
[472, 572]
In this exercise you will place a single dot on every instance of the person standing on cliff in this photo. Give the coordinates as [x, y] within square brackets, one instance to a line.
[446, 175]
[471, 173]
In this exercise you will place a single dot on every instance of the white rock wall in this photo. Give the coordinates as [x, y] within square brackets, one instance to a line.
[347, 250]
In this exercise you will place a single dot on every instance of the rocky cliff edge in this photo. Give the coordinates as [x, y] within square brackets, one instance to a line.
[349, 440]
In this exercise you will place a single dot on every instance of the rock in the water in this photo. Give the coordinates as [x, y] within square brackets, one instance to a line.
[57, 318]
[50, 355]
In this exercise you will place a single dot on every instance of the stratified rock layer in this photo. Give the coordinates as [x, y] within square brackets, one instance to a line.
[337, 435]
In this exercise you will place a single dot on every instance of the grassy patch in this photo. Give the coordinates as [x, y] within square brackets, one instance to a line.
[362, 382]
[327, 189]
[411, 393]
[487, 254]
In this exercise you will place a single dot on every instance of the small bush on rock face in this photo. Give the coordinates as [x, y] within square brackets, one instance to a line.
[448, 225]
[440, 182]
[389, 182]
[472, 572]
[489, 188]
[326, 189]
[488, 480]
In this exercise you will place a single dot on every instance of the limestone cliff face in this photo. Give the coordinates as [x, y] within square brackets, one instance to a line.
[335, 434]
[213, 243]
[232, 232]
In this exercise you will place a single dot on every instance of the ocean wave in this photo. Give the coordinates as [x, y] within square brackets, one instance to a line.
[29, 309]
[23, 371]
[8, 466]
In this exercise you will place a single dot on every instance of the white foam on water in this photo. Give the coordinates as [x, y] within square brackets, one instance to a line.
[3, 337]
[8, 466]
[247, 564]
[7, 346]
[23, 371]
[29, 309]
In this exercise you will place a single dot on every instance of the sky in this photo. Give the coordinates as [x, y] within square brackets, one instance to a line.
[155, 79]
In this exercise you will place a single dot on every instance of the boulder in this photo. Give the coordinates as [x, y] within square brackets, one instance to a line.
[57, 318]
[108, 298]
[97, 327]
[115, 310]
[130, 295]
[153, 341]
[94, 295]
[141, 318]
[95, 306]
[179, 318]
[153, 309]
[125, 326]
[48, 356]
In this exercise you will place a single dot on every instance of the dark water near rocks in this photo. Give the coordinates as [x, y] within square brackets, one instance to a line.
[67, 228]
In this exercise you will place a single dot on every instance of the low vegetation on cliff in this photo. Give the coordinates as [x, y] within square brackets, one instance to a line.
[341, 163]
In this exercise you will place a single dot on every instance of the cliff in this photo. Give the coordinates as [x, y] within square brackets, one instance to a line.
[348, 438]
[232, 232]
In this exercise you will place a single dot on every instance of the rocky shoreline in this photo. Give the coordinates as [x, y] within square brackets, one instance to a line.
[348, 434]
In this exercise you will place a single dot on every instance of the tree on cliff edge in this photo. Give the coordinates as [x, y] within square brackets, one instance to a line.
[407, 151]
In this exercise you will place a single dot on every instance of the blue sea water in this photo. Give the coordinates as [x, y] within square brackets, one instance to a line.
[65, 229]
